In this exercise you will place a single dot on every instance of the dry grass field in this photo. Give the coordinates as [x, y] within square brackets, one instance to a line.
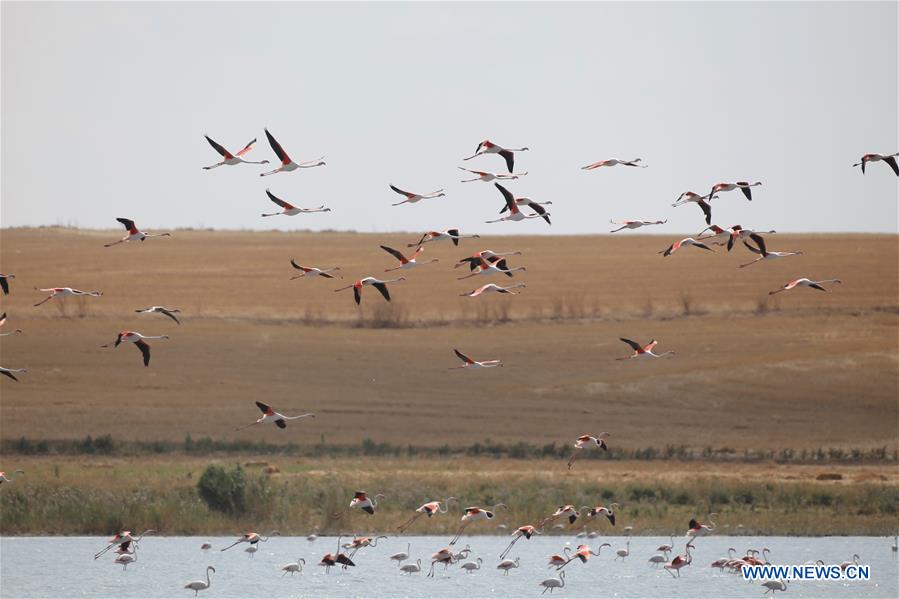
[803, 369]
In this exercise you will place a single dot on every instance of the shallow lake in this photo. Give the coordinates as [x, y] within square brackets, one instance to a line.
[64, 567]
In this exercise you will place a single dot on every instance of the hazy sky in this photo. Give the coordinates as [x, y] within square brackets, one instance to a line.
[104, 107]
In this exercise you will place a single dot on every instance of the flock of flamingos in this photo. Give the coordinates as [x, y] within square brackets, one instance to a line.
[485, 262]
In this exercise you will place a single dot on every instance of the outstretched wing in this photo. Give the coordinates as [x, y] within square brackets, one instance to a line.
[759, 242]
[463, 357]
[218, 148]
[170, 315]
[144, 350]
[4, 283]
[357, 294]
[9, 374]
[891, 160]
[744, 187]
[296, 266]
[278, 200]
[707, 210]
[539, 210]
[277, 149]
[510, 159]
[265, 408]
[383, 289]
[510, 199]
[400, 191]
[636, 346]
[127, 223]
[280, 423]
[395, 253]
[247, 148]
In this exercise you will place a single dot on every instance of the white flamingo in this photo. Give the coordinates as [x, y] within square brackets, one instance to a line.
[270, 415]
[644, 351]
[402, 556]
[803, 282]
[763, 252]
[411, 568]
[743, 186]
[379, 284]
[310, 272]
[684, 242]
[66, 291]
[125, 559]
[488, 147]
[487, 177]
[198, 585]
[229, 158]
[888, 158]
[287, 164]
[290, 209]
[475, 514]
[138, 340]
[294, 567]
[635, 224]
[406, 262]
[170, 312]
[515, 214]
[492, 265]
[614, 162]
[451, 234]
[471, 566]
[551, 584]
[493, 288]
[134, 234]
[585, 441]
[774, 585]
[411, 198]
[477, 258]
[506, 565]
[469, 363]
[429, 509]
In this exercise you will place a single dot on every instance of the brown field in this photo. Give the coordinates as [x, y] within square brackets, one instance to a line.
[803, 370]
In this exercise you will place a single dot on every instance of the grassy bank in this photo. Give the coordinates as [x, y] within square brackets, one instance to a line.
[65, 495]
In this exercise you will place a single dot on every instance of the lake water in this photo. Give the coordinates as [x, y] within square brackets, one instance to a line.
[64, 567]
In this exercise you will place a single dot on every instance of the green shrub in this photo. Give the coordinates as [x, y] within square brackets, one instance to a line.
[223, 491]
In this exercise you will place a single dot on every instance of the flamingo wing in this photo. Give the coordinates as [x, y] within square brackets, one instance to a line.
[266, 409]
[279, 201]
[247, 148]
[463, 357]
[4, 283]
[357, 294]
[144, 350]
[218, 148]
[891, 160]
[707, 210]
[636, 346]
[127, 223]
[401, 192]
[280, 423]
[744, 187]
[395, 253]
[9, 374]
[762, 248]
[510, 199]
[382, 287]
[510, 159]
[277, 149]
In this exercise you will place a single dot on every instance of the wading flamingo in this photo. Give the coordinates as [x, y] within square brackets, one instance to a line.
[406, 262]
[669, 546]
[134, 234]
[493, 288]
[310, 272]
[487, 177]
[428, 509]
[66, 291]
[229, 158]
[721, 562]
[475, 514]
[806, 283]
[583, 553]
[252, 538]
[290, 209]
[332, 559]
[854, 562]
[380, 285]
[560, 560]
[125, 559]
[445, 556]
[684, 242]
[451, 234]
[411, 568]
[888, 158]
[488, 147]
[526, 531]
[198, 585]
[551, 584]
[614, 162]
[508, 564]
[269, 415]
[170, 312]
[680, 561]
[644, 351]
[138, 340]
[402, 556]
[492, 265]
[477, 259]
[469, 363]
[10, 478]
[512, 206]
[763, 252]
[287, 164]
[470, 567]
[585, 441]
[635, 224]
[743, 186]
[4, 282]
[294, 567]
[411, 198]
[774, 585]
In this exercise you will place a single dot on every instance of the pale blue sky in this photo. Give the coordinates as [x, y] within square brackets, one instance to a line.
[104, 107]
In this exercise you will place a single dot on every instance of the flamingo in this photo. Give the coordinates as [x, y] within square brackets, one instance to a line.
[445, 556]
[269, 415]
[65, 291]
[229, 158]
[332, 559]
[170, 312]
[668, 547]
[608, 512]
[469, 363]
[362, 542]
[526, 531]
[657, 559]
[512, 206]
[252, 538]
[310, 272]
[803, 282]
[290, 209]
[134, 234]
[855, 558]
[763, 252]
[138, 340]
[680, 561]
[406, 262]
[487, 177]
[563, 511]
[125, 559]
[287, 164]
[463, 553]
[402, 556]
[4, 282]
[411, 568]
[774, 585]
[294, 567]
[743, 186]
[684, 242]
[488, 147]
[474, 514]
[506, 565]
[623, 553]
[698, 529]
[720, 237]
[635, 224]
[362, 501]
[559, 560]
[470, 567]
[452, 234]
[614, 162]
[123, 540]
[583, 553]
[428, 509]
[411, 198]
[551, 584]
[492, 288]
[251, 550]
[476, 259]
[380, 285]
[311, 537]
[644, 351]
[689, 196]
[738, 232]
[3, 322]
[198, 585]
[888, 158]
[9, 479]
[585, 441]
[206, 546]
[489, 265]
[895, 546]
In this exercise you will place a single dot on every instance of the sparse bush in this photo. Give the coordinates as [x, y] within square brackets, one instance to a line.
[223, 491]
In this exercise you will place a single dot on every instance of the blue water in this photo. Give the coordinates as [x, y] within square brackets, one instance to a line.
[64, 567]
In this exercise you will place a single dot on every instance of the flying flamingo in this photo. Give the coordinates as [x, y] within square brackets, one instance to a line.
[583, 553]
[4, 282]
[763, 252]
[738, 232]
[138, 340]
[294, 567]
[410, 568]
[134, 234]
[229, 158]
[9, 479]
[680, 561]
[64, 291]
[477, 258]
[720, 237]
[452, 234]
[803, 282]
[402, 556]
[635, 224]
[564, 511]
[380, 285]
[406, 262]
[515, 214]
[743, 186]
[474, 514]
[310, 272]
[684, 242]
[698, 529]
[526, 531]
[492, 265]
[585, 441]
[123, 541]
[3, 322]
[493, 288]
[888, 158]
[362, 542]
[644, 351]
[269, 415]
[488, 147]
[551, 584]
[411, 198]
[608, 512]
[362, 501]
[614, 162]
[689, 196]
[506, 565]
[290, 209]
[287, 164]
[428, 509]
[198, 585]
[469, 363]
[559, 560]
[775, 585]
[170, 312]
[252, 538]
[445, 556]
[487, 177]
